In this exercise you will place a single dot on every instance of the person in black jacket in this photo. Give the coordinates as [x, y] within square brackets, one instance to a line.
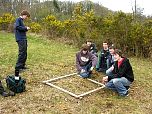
[102, 64]
[21, 39]
[122, 75]
[92, 47]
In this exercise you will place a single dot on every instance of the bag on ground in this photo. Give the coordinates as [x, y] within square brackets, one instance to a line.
[16, 86]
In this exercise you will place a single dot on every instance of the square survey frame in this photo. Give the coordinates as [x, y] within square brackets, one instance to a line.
[48, 82]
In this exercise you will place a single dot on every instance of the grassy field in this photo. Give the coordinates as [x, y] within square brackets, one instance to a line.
[48, 59]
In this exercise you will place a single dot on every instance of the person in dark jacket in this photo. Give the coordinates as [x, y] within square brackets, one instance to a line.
[102, 64]
[4, 93]
[85, 61]
[21, 39]
[92, 47]
[122, 75]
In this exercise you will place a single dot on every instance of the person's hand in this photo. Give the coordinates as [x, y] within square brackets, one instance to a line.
[82, 70]
[111, 68]
[105, 79]
[28, 28]
[91, 69]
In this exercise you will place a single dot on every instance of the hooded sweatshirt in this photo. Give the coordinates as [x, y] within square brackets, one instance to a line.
[84, 59]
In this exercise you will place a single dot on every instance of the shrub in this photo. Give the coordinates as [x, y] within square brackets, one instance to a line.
[35, 27]
[6, 21]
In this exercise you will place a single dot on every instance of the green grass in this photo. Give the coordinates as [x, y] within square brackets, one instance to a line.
[48, 59]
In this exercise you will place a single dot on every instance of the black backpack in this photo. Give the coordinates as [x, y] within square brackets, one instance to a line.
[16, 86]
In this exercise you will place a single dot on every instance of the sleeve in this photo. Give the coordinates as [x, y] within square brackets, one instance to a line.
[94, 48]
[94, 60]
[98, 60]
[78, 63]
[19, 27]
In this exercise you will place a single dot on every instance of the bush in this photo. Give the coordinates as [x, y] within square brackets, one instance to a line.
[35, 27]
[6, 21]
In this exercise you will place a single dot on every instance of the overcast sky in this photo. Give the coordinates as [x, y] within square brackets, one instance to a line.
[124, 5]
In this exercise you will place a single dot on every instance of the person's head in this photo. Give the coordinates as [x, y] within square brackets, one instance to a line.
[105, 45]
[84, 48]
[112, 50]
[117, 54]
[25, 14]
[89, 42]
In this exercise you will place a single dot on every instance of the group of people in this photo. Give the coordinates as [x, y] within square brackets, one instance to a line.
[117, 68]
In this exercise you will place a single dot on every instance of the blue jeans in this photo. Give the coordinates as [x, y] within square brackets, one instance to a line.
[87, 72]
[118, 85]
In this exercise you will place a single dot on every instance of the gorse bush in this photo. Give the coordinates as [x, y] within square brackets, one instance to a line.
[35, 27]
[53, 26]
[6, 21]
[133, 37]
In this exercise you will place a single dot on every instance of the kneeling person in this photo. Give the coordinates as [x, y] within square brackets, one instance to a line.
[85, 61]
[122, 75]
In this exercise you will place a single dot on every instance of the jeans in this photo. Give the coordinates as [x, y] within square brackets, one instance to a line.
[87, 72]
[22, 56]
[118, 85]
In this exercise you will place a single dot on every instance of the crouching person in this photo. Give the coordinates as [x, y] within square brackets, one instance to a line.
[121, 75]
[85, 61]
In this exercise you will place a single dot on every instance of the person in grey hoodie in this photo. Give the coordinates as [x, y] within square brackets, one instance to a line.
[85, 61]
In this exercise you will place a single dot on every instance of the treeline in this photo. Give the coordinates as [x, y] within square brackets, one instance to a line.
[77, 22]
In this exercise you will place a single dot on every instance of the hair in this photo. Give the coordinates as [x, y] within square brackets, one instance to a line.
[88, 40]
[85, 47]
[105, 41]
[112, 47]
[24, 12]
[119, 52]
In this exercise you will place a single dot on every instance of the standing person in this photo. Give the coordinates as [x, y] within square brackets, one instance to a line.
[85, 61]
[21, 39]
[92, 47]
[122, 75]
[102, 58]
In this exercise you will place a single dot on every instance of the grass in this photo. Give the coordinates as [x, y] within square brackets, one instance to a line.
[48, 59]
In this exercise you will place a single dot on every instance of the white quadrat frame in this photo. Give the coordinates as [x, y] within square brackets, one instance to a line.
[48, 82]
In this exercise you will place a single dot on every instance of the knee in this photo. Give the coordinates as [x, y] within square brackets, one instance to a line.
[115, 81]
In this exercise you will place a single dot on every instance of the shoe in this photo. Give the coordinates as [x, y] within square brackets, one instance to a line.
[125, 95]
[11, 93]
[127, 87]
[5, 94]
[25, 68]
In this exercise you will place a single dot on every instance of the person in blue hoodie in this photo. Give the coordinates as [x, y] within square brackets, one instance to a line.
[21, 39]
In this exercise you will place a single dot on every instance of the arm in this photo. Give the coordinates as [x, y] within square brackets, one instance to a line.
[20, 27]
[78, 63]
[94, 60]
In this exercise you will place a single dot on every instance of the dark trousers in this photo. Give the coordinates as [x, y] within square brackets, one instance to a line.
[1, 88]
[22, 56]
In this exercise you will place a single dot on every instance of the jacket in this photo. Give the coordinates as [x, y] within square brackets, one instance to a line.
[20, 29]
[85, 59]
[124, 70]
